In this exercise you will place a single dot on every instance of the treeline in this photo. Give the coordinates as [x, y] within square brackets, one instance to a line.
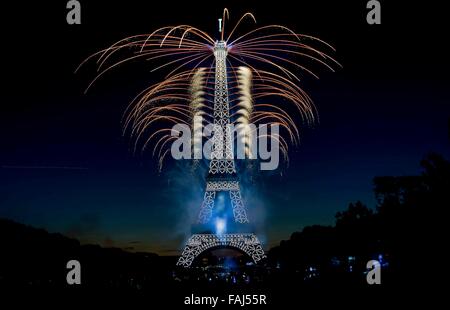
[33, 257]
[403, 231]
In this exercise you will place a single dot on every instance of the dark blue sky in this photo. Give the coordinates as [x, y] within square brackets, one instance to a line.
[379, 115]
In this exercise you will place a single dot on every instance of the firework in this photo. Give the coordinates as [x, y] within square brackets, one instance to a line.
[264, 70]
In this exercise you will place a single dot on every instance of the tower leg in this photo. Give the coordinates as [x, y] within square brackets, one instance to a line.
[207, 206]
[239, 212]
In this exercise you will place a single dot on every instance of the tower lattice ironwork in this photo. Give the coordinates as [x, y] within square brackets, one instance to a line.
[221, 178]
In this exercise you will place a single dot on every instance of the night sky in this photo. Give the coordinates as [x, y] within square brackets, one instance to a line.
[65, 166]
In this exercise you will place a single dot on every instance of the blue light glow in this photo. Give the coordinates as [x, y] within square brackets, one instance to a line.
[221, 226]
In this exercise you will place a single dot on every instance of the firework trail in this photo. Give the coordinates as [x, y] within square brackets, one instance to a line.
[244, 111]
[264, 70]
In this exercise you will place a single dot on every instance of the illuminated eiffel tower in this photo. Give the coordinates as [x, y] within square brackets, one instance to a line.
[222, 182]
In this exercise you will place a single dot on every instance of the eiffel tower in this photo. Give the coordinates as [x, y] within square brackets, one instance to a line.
[222, 183]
